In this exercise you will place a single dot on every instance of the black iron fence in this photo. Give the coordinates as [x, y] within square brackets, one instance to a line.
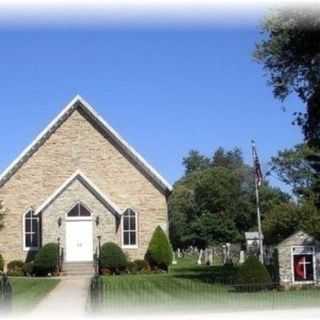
[96, 294]
[154, 294]
[5, 294]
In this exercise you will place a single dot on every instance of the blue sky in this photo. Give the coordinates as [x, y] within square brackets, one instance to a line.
[165, 90]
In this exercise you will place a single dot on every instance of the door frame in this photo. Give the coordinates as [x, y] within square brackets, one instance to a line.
[77, 219]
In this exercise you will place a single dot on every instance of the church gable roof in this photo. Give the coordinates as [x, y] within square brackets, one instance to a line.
[78, 175]
[80, 103]
[298, 238]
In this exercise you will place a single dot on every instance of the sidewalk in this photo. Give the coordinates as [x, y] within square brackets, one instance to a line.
[69, 298]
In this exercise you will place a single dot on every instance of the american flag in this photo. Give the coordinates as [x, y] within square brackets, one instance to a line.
[257, 167]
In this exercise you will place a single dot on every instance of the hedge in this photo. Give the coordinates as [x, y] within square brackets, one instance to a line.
[15, 268]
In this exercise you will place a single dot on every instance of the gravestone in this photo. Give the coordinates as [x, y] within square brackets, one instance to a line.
[252, 242]
[174, 261]
[210, 256]
[242, 257]
[200, 257]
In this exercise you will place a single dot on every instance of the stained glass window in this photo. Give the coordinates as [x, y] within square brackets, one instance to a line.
[303, 264]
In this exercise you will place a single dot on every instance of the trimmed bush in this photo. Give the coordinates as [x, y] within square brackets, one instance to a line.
[229, 273]
[28, 268]
[14, 268]
[112, 259]
[132, 267]
[46, 259]
[142, 265]
[159, 253]
[253, 275]
[1, 263]
[137, 266]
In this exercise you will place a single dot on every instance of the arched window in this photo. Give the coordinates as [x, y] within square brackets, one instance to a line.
[79, 211]
[129, 228]
[31, 231]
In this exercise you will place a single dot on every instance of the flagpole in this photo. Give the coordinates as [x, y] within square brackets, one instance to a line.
[254, 155]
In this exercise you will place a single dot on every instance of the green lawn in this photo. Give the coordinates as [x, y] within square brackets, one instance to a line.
[188, 286]
[27, 292]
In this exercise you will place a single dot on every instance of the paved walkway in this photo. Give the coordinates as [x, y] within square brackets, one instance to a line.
[68, 299]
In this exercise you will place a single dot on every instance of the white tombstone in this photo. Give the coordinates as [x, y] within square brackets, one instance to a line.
[200, 257]
[174, 261]
[242, 257]
[210, 256]
[228, 252]
[179, 253]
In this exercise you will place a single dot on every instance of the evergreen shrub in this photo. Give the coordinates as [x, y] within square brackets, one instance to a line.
[159, 253]
[112, 259]
[46, 260]
[253, 276]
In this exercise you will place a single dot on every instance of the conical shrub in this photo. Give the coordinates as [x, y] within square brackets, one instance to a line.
[253, 275]
[159, 253]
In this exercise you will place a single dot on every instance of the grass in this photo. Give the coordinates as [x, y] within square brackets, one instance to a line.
[188, 286]
[27, 292]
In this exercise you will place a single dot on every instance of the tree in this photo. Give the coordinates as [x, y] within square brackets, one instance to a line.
[293, 168]
[194, 161]
[290, 54]
[280, 222]
[217, 204]
[228, 159]
[310, 218]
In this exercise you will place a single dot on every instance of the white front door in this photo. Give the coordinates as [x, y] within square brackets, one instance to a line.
[79, 246]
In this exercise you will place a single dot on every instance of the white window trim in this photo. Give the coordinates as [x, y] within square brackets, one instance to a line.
[25, 248]
[78, 218]
[130, 246]
[313, 262]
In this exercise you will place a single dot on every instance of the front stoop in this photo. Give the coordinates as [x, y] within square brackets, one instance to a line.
[78, 269]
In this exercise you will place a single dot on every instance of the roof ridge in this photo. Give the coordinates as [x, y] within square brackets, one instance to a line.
[78, 101]
[88, 184]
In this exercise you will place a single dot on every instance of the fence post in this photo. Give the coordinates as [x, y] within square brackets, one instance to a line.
[96, 294]
[5, 294]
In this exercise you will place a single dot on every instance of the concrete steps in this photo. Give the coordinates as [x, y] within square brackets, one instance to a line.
[78, 268]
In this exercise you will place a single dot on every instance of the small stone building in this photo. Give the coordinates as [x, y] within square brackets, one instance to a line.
[299, 260]
[80, 183]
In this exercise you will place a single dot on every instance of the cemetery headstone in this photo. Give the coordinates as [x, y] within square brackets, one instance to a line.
[200, 257]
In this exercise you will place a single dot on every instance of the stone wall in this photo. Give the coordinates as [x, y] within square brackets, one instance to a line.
[285, 256]
[78, 144]
[59, 208]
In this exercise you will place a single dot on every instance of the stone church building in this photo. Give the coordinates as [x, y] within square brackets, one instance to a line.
[299, 260]
[80, 182]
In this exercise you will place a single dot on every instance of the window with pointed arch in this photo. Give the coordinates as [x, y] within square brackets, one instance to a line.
[79, 210]
[129, 228]
[31, 231]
